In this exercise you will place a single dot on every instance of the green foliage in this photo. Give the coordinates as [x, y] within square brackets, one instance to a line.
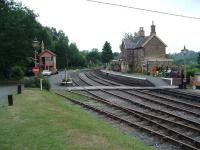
[93, 57]
[192, 70]
[116, 55]
[35, 83]
[18, 28]
[198, 60]
[16, 73]
[190, 58]
[68, 55]
[107, 54]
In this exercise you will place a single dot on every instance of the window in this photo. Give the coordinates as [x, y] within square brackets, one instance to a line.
[47, 59]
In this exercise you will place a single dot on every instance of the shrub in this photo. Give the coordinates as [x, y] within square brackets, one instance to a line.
[191, 71]
[46, 85]
[147, 73]
[16, 73]
[35, 83]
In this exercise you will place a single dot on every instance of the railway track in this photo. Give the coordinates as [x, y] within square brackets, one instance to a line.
[167, 102]
[158, 130]
[177, 101]
[189, 107]
[180, 94]
[179, 122]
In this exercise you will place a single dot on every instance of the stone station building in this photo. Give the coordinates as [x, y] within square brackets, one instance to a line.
[144, 53]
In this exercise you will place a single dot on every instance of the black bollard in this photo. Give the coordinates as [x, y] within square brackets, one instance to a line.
[19, 89]
[10, 100]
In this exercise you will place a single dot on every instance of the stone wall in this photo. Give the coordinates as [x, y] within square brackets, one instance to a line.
[155, 48]
[139, 58]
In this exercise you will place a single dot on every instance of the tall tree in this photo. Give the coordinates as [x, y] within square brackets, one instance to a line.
[198, 60]
[94, 57]
[107, 54]
[116, 55]
[61, 48]
[18, 27]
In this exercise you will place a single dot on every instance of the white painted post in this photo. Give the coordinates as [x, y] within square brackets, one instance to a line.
[41, 84]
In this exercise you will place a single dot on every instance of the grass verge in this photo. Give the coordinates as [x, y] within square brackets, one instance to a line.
[41, 120]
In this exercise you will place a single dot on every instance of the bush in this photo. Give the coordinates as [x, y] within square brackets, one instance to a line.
[35, 83]
[147, 73]
[46, 85]
[30, 83]
[191, 71]
[16, 73]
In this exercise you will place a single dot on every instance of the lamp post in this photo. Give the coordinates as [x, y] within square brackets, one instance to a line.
[35, 44]
[184, 52]
[147, 67]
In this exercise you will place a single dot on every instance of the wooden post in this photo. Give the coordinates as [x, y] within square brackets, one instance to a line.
[19, 89]
[10, 100]
[41, 84]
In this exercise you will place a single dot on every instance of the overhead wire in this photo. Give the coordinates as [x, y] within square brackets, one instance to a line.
[143, 9]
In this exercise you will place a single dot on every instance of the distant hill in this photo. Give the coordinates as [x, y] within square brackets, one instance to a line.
[190, 57]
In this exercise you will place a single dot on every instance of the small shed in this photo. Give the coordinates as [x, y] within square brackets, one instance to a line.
[47, 60]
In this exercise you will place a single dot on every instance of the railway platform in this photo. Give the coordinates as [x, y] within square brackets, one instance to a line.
[80, 88]
[156, 81]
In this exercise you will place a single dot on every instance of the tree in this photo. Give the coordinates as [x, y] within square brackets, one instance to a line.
[116, 55]
[129, 35]
[107, 54]
[198, 60]
[18, 27]
[94, 57]
[61, 48]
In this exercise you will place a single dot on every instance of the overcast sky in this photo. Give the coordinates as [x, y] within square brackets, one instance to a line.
[89, 24]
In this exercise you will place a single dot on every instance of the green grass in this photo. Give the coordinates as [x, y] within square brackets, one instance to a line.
[40, 120]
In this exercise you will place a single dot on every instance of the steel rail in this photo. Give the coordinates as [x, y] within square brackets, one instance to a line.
[171, 99]
[156, 101]
[152, 100]
[162, 103]
[112, 116]
[99, 99]
[115, 80]
[105, 80]
[179, 94]
[146, 106]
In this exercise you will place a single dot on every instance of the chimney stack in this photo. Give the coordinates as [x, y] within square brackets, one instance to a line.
[153, 29]
[141, 32]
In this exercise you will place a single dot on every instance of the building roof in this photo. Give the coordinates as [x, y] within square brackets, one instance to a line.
[150, 38]
[134, 42]
[138, 41]
[47, 51]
